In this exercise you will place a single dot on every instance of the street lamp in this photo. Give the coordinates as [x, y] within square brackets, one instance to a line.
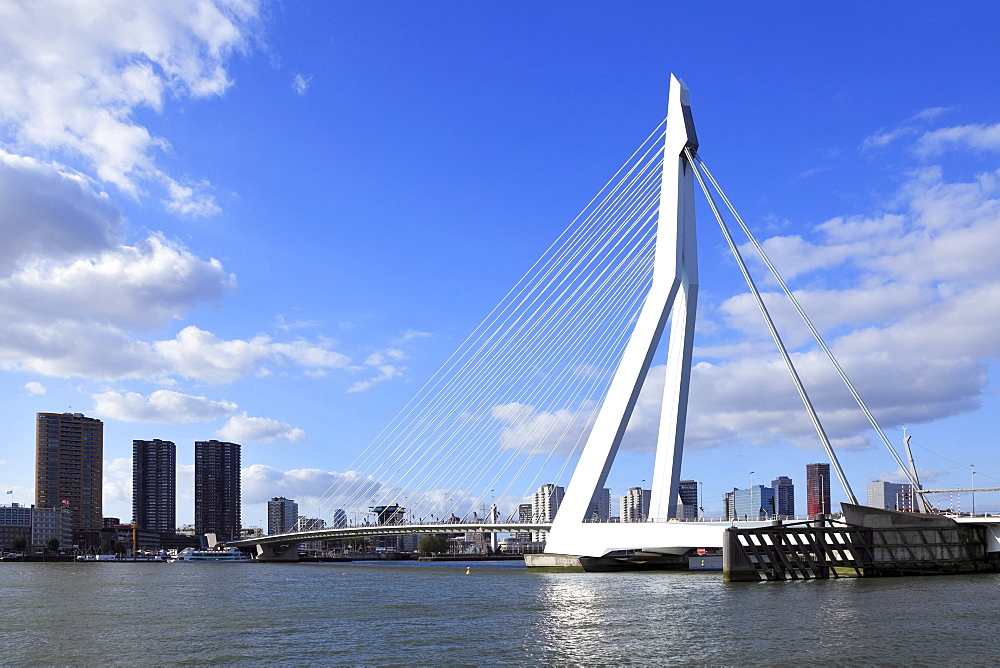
[973, 490]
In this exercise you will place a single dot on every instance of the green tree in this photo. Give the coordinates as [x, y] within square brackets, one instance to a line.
[20, 544]
[432, 544]
[52, 545]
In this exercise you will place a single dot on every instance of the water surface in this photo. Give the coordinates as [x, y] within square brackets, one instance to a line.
[424, 614]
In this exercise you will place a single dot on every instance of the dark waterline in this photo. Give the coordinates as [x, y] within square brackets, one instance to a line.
[421, 614]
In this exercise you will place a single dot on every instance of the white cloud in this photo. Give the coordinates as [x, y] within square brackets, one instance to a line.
[196, 353]
[300, 84]
[73, 75]
[162, 406]
[261, 482]
[65, 348]
[34, 387]
[979, 137]
[48, 212]
[385, 372]
[117, 481]
[379, 358]
[384, 363]
[241, 428]
[531, 430]
[410, 335]
[129, 286]
[910, 127]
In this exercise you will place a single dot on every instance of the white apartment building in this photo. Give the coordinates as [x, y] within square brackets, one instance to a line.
[544, 505]
[635, 505]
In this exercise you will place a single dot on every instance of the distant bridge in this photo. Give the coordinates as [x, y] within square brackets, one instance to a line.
[277, 546]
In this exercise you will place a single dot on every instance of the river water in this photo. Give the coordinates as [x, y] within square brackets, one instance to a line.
[433, 614]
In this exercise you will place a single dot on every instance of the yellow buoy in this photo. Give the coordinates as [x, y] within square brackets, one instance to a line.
[468, 570]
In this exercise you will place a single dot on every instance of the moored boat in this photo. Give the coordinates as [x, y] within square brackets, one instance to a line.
[224, 555]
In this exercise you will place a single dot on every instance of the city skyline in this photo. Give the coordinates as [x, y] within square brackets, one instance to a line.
[275, 234]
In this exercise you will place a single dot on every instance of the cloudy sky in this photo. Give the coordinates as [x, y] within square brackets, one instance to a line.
[272, 222]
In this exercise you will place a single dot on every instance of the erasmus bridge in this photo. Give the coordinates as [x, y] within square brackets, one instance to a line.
[546, 385]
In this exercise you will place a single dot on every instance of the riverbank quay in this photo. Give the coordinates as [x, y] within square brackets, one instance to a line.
[473, 557]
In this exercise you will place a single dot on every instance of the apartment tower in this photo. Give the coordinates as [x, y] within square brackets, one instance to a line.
[69, 462]
[154, 485]
[784, 496]
[217, 489]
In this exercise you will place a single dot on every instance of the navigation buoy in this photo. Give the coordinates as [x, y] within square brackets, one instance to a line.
[468, 570]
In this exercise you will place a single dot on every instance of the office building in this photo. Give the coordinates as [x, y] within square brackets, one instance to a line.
[754, 503]
[544, 506]
[687, 500]
[48, 523]
[729, 505]
[635, 505]
[36, 526]
[339, 518]
[784, 496]
[69, 467]
[600, 506]
[15, 523]
[313, 524]
[817, 489]
[217, 489]
[524, 516]
[154, 485]
[891, 495]
[282, 514]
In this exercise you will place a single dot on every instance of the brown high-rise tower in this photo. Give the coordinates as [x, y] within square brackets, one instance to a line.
[69, 463]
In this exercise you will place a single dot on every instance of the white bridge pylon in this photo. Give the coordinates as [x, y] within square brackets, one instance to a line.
[673, 293]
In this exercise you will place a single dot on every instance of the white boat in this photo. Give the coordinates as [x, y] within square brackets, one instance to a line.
[224, 555]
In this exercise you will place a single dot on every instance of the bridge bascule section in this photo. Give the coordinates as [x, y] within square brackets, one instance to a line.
[547, 384]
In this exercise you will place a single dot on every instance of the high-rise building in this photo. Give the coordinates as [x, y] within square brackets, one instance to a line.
[154, 485]
[754, 503]
[544, 506]
[69, 467]
[687, 500]
[523, 517]
[339, 518]
[635, 505]
[282, 514]
[817, 489]
[891, 495]
[784, 496]
[217, 489]
[729, 505]
[600, 506]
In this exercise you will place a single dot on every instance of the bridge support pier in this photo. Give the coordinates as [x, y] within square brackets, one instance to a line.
[277, 552]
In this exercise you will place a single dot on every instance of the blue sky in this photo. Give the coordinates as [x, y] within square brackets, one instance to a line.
[272, 222]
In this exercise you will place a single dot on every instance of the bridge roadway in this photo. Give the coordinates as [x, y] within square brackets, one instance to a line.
[277, 546]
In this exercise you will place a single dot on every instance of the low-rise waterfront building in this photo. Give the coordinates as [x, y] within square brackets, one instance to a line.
[36, 526]
[49, 523]
[15, 523]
